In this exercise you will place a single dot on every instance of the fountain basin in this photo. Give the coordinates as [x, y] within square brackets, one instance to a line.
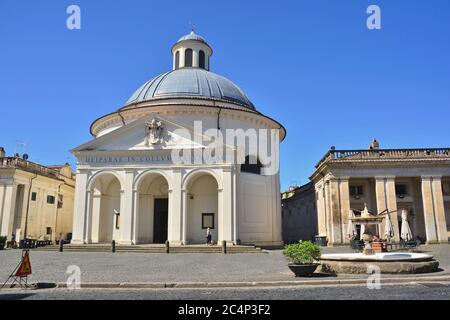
[387, 262]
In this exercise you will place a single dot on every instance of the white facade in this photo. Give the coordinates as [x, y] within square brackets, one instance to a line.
[132, 188]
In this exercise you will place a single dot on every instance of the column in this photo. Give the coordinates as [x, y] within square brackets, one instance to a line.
[387, 199]
[182, 61]
[184, 215]
[195, 58]
[9, 202]
[135, 214]
[89, 217]
[95, 201]
[175, 227]
[327, 201]
[321, 215]
[26, 204]
[127, 208]
[344, 195]
[335, 212]
[235, 217]
[439, 210]
[79, 215]
[433, 209]
[226, 212]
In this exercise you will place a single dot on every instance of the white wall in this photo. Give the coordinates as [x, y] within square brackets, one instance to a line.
[204, 191]
[257, 209]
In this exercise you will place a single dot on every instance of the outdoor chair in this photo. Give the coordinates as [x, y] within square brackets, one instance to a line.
[357, 245]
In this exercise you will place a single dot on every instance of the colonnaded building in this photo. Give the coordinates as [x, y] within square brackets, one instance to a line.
[131, 186]
[36, 201]
[417, 180]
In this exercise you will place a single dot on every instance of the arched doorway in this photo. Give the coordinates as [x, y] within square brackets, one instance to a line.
[105, 208]
[201, 208]
[152, 209]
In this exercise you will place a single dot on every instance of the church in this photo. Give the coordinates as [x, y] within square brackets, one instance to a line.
[186, 153]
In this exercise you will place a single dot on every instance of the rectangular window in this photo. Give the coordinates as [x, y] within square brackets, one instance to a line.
[33, 196]
[207, 220]
[446, 188]
[49, 230]
[51, 199]
[401, 190]
[356, 191]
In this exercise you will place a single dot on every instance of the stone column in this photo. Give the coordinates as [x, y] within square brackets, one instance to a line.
[387, 199]
[79, 215]
[327, 209]
[226, 212]
[321, 214]
[89, 216]
[126, 209]
[195, 58]
[95, 202]
[184, 195]
[433, 207]
[235, 217]
[135, 214]
[344, 195]
[175, 227]
[335, 212]
[9, 202]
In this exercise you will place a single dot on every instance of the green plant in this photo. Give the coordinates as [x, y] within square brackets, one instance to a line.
[302, 252]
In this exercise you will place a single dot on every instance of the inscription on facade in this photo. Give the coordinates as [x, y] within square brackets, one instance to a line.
[126, 159]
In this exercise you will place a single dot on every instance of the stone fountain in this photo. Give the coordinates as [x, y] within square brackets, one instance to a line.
[367, 220]
[386, 262]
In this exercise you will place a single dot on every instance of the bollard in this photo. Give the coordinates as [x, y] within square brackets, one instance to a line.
[224, 246]
[167, 246]
[113, 246]
[61, 245]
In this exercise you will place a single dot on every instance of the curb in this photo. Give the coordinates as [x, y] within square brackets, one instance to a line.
[250, 284]
[243, 284]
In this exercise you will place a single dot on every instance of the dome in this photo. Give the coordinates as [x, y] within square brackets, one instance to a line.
[191, 83]
[192, 36]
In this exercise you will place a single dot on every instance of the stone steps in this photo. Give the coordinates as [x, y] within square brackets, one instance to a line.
[152, 249]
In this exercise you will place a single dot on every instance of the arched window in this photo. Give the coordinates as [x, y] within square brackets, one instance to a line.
[251, 165]
[177, 60]
[188, 58]
[201, 57]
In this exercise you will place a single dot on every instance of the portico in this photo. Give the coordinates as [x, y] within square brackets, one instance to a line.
[416, 180]
[187, 192]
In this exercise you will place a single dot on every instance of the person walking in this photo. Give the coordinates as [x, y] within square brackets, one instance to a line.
[208, 236]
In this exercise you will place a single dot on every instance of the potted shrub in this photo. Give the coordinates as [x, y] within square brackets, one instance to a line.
[2, 242]
[303, 257]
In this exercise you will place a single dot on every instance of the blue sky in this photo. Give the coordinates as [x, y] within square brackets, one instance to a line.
[312, 65]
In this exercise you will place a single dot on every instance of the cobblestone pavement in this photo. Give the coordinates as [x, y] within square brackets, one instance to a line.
[405, 292]
[141, 267]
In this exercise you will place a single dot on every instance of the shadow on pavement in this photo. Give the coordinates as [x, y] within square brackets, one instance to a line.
[15, 296]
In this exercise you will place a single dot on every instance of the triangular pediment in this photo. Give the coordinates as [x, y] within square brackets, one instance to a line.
[154, 132]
